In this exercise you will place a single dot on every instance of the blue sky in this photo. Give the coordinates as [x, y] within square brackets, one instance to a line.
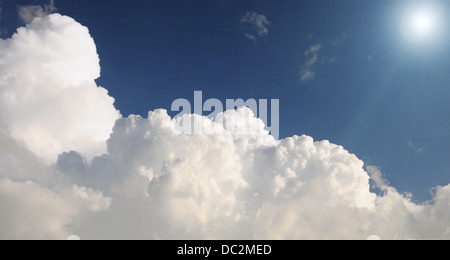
[379, 95]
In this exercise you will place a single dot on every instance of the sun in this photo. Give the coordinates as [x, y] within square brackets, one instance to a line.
[419, 26]
[422, 23]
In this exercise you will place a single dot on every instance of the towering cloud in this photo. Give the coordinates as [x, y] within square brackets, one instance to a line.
[153, 181]
[48, 96]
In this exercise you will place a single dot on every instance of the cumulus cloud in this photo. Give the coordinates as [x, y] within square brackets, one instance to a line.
[48, 96]
[257, 25]
[154, 182]
[28, 12]
[37, 201]
[312, 57]
[168, 185]
[38, 212]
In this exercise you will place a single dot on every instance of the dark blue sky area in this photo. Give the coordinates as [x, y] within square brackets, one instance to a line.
[382, 97]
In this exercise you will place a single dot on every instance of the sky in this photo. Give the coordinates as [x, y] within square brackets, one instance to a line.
[368, 77]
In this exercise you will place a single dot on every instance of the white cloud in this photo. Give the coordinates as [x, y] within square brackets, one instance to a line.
[48, 96]
[377, 176]
[37, 201]
[418, 150]
[38, 212]
[155, 182]
[312, 54]
[250, 37]
[169, 185]
[28, 12]
[312, 57]
[306, 75]
[257, 25]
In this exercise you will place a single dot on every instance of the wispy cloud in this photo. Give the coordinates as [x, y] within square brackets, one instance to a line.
[224, 3]
[338, 41]
[306, 75]
[28, 12]
[313, 54]
[416, 148]
[257, 25]
[312, 57]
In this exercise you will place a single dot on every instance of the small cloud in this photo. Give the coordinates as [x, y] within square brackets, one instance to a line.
[224, 3]
[28, 12]
[306, 75]
[339, 40]
[257, 25]
[418, 150]
[313, 54]
[312, 57]
[377, 176]
[313, 49]
[250, 37]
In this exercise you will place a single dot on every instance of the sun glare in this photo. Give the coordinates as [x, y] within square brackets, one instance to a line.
[422, 23]
[419, 26]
